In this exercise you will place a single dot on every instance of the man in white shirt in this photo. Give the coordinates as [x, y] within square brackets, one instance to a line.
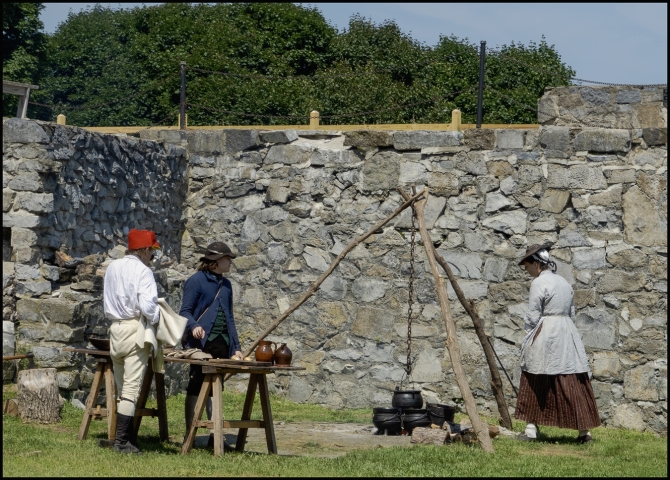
[130, 292]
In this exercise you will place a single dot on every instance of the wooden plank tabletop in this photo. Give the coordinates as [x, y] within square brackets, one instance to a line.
[253, 367]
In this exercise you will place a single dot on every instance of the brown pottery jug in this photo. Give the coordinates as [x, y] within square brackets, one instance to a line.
[264, 351]
[283, 355]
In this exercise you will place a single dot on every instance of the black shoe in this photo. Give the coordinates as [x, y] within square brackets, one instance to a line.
[585, 439]
[124, 427]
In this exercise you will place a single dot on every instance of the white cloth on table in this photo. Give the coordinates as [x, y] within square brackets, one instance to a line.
[557, 349]
[130, 290]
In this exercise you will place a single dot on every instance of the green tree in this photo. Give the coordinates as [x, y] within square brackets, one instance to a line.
[23, 47]
[274, 63]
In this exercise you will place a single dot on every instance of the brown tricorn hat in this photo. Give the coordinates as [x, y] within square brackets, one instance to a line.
[533, 249]
[217, 250]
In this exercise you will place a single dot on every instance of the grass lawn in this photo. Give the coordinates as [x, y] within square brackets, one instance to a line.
[53, 450]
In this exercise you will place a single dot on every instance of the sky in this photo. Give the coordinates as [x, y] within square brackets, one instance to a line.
[604, 42]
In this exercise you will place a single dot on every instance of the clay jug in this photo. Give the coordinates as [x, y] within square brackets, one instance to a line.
[283, 355]
[264, 351]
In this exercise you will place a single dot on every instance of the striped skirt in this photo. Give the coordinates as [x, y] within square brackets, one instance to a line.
[564, 401]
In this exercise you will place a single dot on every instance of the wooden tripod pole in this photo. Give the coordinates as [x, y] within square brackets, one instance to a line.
[480, 428]
[317, 283]
[469, 306]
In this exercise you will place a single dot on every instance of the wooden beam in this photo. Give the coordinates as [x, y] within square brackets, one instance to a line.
[18, 84]
[478, 426]
[469, 306]
[325, 128]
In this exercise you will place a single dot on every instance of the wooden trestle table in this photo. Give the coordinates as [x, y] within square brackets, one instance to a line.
[214, 374]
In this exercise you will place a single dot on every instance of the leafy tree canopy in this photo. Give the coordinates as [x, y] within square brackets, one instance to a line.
[23, 47]
[121, 67]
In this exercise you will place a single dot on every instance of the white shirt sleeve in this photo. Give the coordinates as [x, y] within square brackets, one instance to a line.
[535, 306]
[147, 296]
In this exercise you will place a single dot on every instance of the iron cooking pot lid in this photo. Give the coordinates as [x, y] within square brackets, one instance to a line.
[385, 410]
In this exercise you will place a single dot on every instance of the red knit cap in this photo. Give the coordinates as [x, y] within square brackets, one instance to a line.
[142, 239]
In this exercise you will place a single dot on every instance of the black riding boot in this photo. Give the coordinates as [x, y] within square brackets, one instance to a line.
[124, 429]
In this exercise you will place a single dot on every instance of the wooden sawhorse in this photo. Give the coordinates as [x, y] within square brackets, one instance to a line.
[213, 382]
[105, 369]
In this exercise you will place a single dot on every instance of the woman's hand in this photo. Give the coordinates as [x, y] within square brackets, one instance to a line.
[198, 333]
[238, 355]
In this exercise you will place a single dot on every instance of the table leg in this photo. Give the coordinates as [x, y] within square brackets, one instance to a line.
[144, 396]
[267, 414]
[199, 408]
[90, 403]
[162, 409]
[110, 389]
[217, 414]
[246, 412]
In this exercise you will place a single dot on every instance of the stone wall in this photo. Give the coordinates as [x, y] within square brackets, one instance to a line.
[69, 198]
[613, 107]
[289, 202]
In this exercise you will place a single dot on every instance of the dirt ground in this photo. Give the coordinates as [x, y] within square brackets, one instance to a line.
[314, 439]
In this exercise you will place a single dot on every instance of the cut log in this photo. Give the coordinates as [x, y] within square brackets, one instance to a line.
[11, 407]
[38, 397]
[429, 436]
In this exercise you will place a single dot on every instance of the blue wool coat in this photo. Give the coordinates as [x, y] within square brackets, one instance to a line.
[199, 292]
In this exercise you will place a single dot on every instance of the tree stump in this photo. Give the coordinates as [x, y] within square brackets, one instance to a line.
[38, 396]
[11, 407]
[429, 436]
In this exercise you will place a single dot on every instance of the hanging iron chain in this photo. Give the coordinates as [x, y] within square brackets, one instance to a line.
[410, 300]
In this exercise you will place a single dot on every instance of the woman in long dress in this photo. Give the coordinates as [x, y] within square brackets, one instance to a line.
[554, 389]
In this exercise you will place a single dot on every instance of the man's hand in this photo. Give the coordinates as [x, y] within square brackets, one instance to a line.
[238, 355]
[198, 333]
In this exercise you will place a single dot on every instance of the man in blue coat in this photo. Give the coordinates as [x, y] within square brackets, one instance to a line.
[208, 306]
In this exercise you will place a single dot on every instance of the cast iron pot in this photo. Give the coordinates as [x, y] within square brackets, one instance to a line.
[407, 399]
[413, 418]
[440, 413]
[387, 419]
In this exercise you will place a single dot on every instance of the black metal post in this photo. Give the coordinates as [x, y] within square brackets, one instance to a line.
[480, 95]
[182, 100]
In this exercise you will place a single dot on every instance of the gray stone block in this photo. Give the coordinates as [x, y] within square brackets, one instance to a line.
[368, 138]
[202, 161]
[27, 272]
[640, 383]
[381, 172]
[34, 202]
[510, 139]
[26, 182]
[17, 130]
[465, 265]
[509, 185]
[23, 237]
[511, 223]
[555, 138]
[643, 223]
[597, 328]
[278, 136]
[288, 154]
[576, 176]
[496, 201]
[479, 138]
[588, 258]
[620, 281]
[23, 220]
[655, 136]
[602, 140]
[206, 141]
[369, 289]
[571, 238]
[238, 140]
[629, 96]
[416, 140]
[595, 96]
[495, 269]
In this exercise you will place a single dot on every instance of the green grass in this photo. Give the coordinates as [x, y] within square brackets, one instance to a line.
[53, 450]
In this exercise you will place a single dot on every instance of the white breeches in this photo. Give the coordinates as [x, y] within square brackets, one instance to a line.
[130, 364]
